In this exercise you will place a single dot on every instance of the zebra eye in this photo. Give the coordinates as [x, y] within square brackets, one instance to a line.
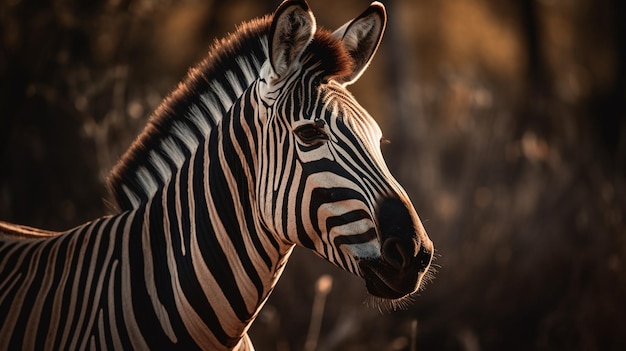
[311, 133]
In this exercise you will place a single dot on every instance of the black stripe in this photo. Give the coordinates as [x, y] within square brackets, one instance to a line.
[353, 158]
[227, 213]
[237, 169]
[70, 322]
[321, 196]
[118, 293]
[4, 275]
[304, 239]
[25, 309]
[213, 256]
[355, 239]
[151, 328]
[112, 235]
[56, 269]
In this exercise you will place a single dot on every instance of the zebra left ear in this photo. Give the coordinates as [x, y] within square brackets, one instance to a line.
[292, 29]
[361, 38]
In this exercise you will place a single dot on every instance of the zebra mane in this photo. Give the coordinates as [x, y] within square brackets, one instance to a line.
[199, 102]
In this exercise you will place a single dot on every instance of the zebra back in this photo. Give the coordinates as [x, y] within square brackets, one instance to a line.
[17, 231]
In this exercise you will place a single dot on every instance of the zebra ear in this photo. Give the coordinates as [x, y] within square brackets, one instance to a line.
[361, 38]
[292, 29]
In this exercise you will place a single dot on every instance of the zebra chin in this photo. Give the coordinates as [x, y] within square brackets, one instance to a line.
[385, 282]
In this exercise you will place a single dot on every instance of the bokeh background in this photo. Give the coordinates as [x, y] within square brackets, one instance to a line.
[508, 129]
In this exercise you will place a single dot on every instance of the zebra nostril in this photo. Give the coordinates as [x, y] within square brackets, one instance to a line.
[398, 253]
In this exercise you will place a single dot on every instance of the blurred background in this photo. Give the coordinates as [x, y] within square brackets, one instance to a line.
[508, 129]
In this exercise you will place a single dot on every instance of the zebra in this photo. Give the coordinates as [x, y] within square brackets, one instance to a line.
[260, 148]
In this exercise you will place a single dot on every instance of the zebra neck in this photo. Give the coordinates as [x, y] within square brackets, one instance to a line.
[223, 247]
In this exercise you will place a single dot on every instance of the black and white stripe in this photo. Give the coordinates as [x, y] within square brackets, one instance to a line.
[261, 148]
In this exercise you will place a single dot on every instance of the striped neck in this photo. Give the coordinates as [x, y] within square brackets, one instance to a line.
[214, 225]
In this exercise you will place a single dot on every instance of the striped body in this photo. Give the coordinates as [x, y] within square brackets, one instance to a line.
[260, 149]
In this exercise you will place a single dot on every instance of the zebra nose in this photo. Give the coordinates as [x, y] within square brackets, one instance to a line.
[403, 246]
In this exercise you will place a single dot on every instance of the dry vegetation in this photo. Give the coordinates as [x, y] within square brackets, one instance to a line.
[508, 129]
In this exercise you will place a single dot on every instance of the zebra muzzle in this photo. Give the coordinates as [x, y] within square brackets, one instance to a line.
[405, 252]
[399, 270]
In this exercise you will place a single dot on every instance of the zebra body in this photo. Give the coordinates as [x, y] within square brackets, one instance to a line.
[260, 149]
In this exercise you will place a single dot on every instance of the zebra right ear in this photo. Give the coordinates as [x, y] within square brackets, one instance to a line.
[361, 38]
[292, 29]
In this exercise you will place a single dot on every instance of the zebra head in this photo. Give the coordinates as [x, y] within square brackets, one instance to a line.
[322, 180]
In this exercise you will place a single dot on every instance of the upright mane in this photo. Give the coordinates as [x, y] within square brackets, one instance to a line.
[204, 96]
[189, 112]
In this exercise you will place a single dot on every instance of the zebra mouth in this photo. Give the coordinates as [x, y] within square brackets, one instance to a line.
[382, 281]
